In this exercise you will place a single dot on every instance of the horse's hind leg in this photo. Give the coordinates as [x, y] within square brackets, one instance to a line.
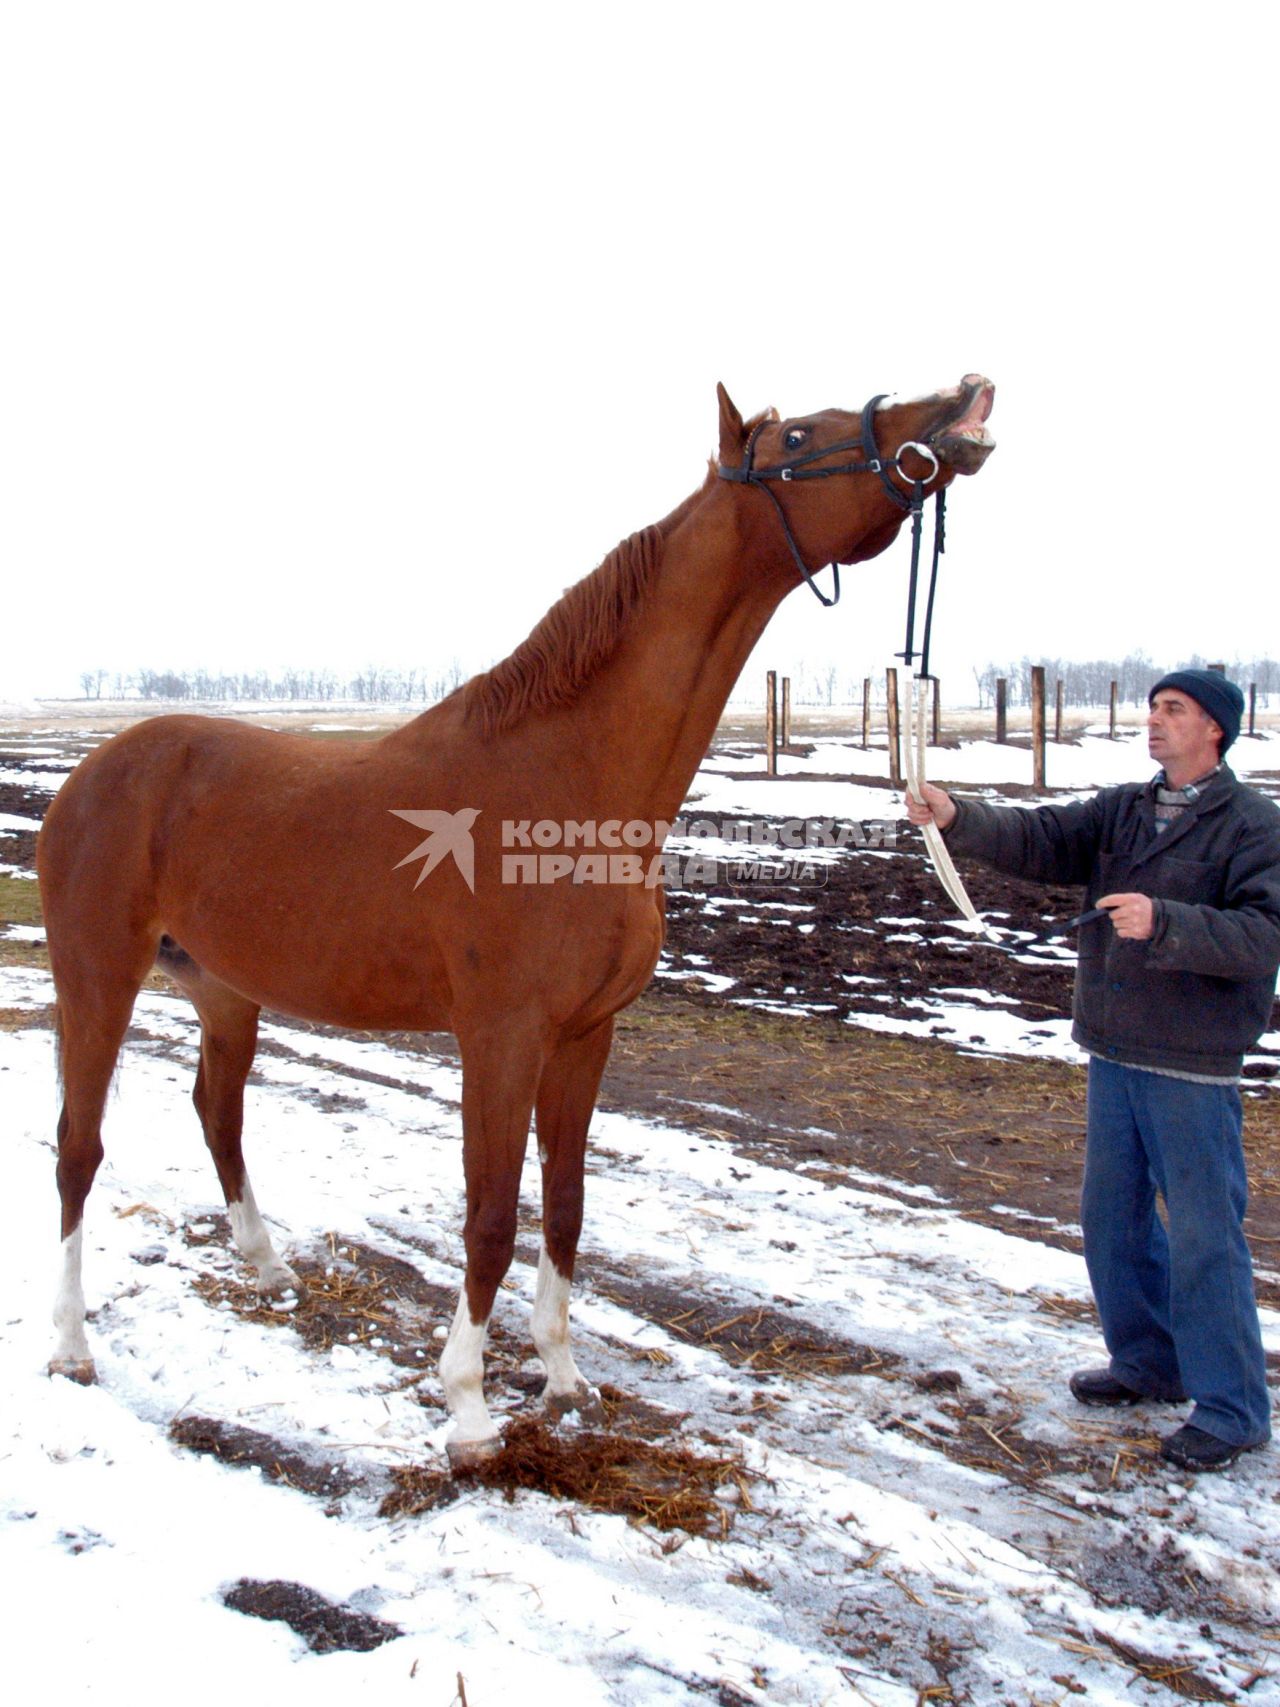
[94, 1005]
[228, 1041]
[565, 1103]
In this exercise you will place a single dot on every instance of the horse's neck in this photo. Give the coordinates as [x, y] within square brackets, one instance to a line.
[660, 697]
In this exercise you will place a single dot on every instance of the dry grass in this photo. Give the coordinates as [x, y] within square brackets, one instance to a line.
[1183, 1680]
[669, 1487]
[360, 1297]
[20, 905]
[19, 901]
[24, 1019]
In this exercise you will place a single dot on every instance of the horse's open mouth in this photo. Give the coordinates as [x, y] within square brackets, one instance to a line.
[965, 442]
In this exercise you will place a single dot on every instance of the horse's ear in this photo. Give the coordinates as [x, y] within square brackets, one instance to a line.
[732, 433]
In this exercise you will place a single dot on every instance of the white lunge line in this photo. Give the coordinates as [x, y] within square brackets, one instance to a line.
[912, 739]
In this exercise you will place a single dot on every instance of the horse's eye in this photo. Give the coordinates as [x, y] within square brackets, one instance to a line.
[795, 437]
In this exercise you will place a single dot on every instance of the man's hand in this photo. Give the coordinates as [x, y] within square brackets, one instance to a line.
[1131, 915]
[938, 807]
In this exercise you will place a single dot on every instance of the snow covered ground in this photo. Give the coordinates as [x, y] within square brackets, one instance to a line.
[928, 1517]
[1094, 761]
[872, 1541]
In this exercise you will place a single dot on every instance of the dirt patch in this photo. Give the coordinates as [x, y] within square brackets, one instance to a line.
[1160, 1579]
[963, 1431]
[878, 917]
[324, 1627]
[1000, 1140]
[358, 1296]
[277, 1462]
[669, 1487]
[878, 937]
[1183, 1680]
[762, 1339]
[18, 847]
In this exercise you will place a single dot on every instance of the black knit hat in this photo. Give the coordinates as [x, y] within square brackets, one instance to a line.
[1213, 693]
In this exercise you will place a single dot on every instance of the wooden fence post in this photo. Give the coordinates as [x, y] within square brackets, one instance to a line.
[866, 712]
[771, 724]
[786, 714]
[1253, 707]
[1057, 712]
[895, 755]
[937, 711]
[1114, 692]
[1002, 714]
[1037, 726]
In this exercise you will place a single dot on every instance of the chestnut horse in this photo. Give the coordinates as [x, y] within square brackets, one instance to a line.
[275, 870]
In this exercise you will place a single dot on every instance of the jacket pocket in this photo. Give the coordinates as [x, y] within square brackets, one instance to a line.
[1186, 880]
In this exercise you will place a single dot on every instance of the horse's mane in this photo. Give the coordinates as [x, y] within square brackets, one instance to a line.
[575, 639]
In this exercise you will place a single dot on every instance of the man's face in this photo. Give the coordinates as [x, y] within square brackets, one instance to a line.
[1181, 736]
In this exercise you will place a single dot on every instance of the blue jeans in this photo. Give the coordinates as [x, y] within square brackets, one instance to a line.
[1178, 1310]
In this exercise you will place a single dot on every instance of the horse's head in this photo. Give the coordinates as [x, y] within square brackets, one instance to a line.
[844, 482]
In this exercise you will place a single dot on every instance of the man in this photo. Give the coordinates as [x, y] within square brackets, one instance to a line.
[1175, 980]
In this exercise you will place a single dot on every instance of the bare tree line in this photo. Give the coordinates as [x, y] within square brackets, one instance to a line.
[374, 685]
[1089, 683]
[1086, 683]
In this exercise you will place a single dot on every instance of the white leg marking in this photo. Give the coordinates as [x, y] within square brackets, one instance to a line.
[71, 1355]
[565, 1389]
[254, 1244]
[462, 1374]
[551, 1329]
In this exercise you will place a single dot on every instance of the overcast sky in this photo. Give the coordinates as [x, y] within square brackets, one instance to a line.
[339, 334]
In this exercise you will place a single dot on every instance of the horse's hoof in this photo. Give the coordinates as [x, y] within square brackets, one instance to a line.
[78, 1369]
[467, 1456]
[581, 1400]
[276, 1282]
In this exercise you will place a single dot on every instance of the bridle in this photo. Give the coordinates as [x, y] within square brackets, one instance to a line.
[800, 468]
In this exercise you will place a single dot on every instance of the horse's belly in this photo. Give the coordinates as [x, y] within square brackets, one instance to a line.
[353, 980]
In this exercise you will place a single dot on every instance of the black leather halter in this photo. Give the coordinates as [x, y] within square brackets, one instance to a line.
[800, 468]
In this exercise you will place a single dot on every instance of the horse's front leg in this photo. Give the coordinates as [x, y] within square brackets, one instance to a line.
[565, 1103]
[500, 1073]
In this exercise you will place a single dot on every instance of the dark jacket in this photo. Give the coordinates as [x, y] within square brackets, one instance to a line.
[1198, 992]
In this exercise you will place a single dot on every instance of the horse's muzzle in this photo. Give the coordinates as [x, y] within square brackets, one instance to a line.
[964, 442]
